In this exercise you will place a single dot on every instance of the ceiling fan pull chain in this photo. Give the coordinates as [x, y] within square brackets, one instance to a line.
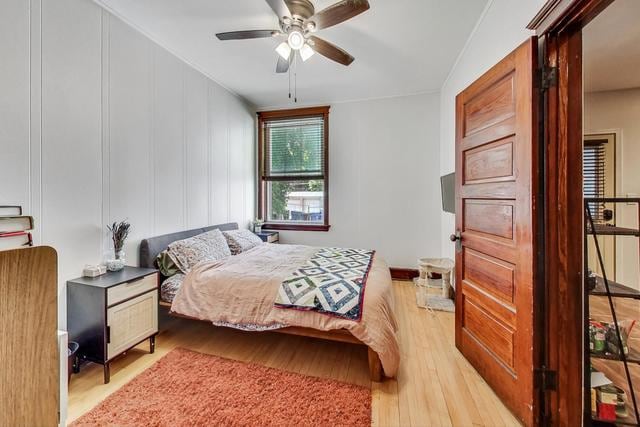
[289, 73]
[295, 77]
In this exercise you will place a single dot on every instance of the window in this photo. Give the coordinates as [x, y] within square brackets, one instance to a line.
[293, 153]
[593, 170]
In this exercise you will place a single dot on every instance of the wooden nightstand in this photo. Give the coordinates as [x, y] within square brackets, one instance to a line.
[269, 236]
[110, 314]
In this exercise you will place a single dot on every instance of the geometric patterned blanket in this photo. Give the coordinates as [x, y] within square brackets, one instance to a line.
[331, 282]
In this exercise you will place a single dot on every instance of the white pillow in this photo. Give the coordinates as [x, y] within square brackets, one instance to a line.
[241, 240]
[209, 246]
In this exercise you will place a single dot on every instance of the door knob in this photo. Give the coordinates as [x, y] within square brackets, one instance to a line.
[457, 238]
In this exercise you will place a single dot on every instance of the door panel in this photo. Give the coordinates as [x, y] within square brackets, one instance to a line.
[483, 299]
[491, 106]
[490, 274]
[487, 330]
[492, 217]
[489, 162]
[495, 155]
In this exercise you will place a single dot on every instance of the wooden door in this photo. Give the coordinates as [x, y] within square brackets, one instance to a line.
[495, 160]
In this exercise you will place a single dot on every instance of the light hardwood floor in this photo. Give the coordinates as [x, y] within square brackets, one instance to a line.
[436, 386]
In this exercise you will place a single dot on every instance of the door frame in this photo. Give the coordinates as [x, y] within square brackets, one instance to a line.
[558, 26]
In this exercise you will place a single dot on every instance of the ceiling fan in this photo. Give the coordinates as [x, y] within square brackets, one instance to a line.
[298, 22]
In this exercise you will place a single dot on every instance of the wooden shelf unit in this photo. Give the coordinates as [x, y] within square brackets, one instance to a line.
[632, 357]
[609, 289]
[617, 290]
[611, 230]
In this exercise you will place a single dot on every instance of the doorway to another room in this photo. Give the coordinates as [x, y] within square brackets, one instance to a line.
[611, 176]
[589, 54]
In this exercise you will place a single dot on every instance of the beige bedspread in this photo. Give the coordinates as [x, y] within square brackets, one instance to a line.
[241, 290]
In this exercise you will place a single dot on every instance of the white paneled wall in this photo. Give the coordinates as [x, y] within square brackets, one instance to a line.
[170, 167]
[14, 102]
[197, 149]
[71, 197]
[100, 124]
[128, 144]
[384, 188]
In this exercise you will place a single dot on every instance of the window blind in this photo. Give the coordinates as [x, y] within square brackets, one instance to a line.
[593, 170]
[294, 147]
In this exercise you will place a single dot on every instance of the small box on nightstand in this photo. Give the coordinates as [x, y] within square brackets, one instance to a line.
[269, 236]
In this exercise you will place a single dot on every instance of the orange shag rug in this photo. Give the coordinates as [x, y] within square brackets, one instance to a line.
[186, 388]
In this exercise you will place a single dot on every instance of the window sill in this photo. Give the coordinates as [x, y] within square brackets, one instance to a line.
[296, 227]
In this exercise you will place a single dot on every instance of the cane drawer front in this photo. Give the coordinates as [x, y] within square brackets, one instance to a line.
[131, 322]
[131, 289]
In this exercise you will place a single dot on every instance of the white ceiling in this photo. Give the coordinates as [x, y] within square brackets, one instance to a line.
[401, 47]
[611, 44]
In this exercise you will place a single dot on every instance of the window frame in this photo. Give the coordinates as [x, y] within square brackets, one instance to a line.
[264, 116]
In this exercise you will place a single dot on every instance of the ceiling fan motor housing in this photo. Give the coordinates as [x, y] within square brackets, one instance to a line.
[301, 9]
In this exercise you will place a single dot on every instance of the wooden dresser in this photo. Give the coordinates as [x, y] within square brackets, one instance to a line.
[29, 357]
[110, 314]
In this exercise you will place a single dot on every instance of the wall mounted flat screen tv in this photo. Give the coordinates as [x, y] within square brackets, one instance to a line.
[448, 187]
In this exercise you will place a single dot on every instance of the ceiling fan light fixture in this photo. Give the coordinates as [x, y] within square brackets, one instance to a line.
[284, 50]
[306, 52]
[295, 40]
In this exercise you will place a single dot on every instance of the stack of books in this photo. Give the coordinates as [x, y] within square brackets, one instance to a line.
[14, 228]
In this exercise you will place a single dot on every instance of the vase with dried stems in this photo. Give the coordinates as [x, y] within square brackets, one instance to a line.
[119, 232]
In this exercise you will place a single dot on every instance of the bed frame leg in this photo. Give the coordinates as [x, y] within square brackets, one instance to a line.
[375, 366]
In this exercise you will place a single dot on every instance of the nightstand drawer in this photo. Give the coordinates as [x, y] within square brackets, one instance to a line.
[128, 290]
[131, 322]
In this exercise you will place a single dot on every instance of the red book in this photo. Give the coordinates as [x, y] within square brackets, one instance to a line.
[606, 411]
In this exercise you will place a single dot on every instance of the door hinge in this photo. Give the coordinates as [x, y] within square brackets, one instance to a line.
[548, 77]
[545, 379]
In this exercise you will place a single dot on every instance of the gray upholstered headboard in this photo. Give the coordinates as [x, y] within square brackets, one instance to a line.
[150, 248]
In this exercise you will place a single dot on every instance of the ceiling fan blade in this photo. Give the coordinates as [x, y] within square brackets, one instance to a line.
[283, 64]
[331, 51]
[339, 12]
[249, 34]
[280, 8]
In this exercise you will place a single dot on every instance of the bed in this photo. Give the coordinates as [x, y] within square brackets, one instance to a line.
[240, 291]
